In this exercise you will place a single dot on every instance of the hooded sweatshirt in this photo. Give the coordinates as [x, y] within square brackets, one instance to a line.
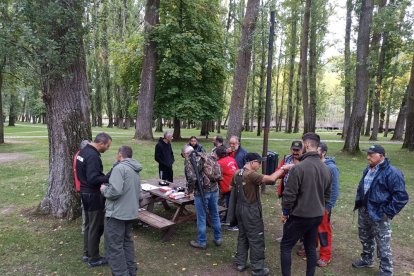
[330, 162]
[124, 190]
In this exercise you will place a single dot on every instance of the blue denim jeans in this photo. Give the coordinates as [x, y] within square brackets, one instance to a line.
[211, 201]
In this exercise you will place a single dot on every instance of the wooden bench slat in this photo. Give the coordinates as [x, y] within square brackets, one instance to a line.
[154, 220]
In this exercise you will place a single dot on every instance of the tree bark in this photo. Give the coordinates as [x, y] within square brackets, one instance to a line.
[304, 71]
[279, 63]
[149, 66]
[106, 74]
[12, 110]
[1, 103]
[347, 69]
[262, 76]
[291, 72]
[378, 84]
[362, 79]
[67, 107]
[177, 128]
[409, 130]
[399, 125]
[242, 69]
[313, 62]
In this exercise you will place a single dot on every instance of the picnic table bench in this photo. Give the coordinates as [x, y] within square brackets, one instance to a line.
[154, 220]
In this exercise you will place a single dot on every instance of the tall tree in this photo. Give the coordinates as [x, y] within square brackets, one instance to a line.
[242, 69]
[147, 88]
[106, 75]
[347, 68]
[400, 123]
[292, 54]
[57, 25]
[409, 130]
[304, 72]
[362, 78]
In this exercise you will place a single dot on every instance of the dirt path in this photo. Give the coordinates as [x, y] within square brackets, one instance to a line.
[10, 157]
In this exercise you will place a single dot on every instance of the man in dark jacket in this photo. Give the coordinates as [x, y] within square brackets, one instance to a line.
[89, 170]
[165, 156]
[380, 196]
[305, 196]
[236, 151]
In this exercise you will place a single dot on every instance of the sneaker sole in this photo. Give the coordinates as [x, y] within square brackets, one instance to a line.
[369, 266]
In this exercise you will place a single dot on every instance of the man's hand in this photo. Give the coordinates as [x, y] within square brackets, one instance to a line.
[283, 218]
[287, 167]
[102, 188]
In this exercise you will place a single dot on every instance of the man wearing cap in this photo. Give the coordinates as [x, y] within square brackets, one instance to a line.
[236, 151]
[324, 229]
[292, 158]
[380, 196]
[306, 194]
[248, 213]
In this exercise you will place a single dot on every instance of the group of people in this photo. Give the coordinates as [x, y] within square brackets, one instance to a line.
[309, 188]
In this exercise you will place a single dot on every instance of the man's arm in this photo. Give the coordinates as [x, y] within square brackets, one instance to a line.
[190, 176]
[278, 173]
[290, 193]
[116, 185]
[94, 175]
[334, 187]
[399, 196]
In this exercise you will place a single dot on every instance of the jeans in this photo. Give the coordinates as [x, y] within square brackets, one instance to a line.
[211, 202]
[295, 228]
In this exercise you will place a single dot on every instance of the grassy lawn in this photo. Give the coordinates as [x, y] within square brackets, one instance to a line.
[36, 245]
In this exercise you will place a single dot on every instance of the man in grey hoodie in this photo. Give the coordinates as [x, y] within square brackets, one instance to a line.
[121, 209]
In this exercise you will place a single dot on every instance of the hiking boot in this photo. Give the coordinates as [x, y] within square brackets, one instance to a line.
[241, 268]
[301, 253]
[98, 262]
[218, 242]
[261, 272]
[322, 263]
[361, 263]
[233, 228]
[197, 245]
[85, 258]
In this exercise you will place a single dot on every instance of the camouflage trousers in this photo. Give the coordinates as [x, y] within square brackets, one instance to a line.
[373, 233]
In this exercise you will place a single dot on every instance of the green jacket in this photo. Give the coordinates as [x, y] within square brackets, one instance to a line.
[123, 191]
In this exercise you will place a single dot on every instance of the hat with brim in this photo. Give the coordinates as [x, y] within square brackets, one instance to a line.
[296, 145]
[252, 156]
[376, 149]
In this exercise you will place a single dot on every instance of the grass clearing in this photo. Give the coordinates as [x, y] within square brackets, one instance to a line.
[38, 245]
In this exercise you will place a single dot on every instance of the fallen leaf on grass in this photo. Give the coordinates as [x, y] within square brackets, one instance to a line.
[214, 264]
[208, 254]
[183, 269]
[61, 242]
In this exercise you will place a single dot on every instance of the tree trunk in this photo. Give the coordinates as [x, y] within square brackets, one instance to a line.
[378, 84]
[313, 60]
[12, 110]
[389, 103]
[177, 128]
[262, 76]
[297, 106]
[409, 130]
[149, 66]
[106, 74]
[67, 106]
[362, 79]
[347, 69]
[1, 103]
[291, 71]
[283, 98]
[242, 70]
[158, 125]
[304, 71]
[205, 128]
[369, 113]
[399, 125]
[279, 63]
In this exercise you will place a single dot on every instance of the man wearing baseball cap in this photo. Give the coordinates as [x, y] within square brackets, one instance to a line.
[380, 196]
[296, 150]
[247, 210]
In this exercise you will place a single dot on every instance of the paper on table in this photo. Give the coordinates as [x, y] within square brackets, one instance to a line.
[148, 187]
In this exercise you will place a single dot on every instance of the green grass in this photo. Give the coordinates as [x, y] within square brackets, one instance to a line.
[38, 245]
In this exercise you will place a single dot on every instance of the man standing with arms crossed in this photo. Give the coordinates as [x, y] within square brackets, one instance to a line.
[121, 209]
[306, 194]
[380, 196]
[89, 170]
[165, 156]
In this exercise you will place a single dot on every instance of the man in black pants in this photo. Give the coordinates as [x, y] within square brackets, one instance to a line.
[165, 156]
[89, 170]
[305, 196]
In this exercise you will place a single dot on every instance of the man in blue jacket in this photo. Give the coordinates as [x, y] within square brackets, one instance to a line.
[380, 196]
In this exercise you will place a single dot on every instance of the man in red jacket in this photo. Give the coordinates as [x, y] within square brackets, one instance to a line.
[228, 167]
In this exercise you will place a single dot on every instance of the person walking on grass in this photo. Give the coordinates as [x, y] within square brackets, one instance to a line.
[121, 210]
[305, 196]
[89, 170]
[247, 211]
[324, 229]
[380, 196]
[205, 197]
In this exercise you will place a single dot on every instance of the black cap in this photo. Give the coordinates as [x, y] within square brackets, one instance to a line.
[323, 146]
[376, 149]
[296, 145]
[252, 156]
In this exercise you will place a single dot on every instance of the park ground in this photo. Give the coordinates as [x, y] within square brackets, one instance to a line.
[32, 244]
